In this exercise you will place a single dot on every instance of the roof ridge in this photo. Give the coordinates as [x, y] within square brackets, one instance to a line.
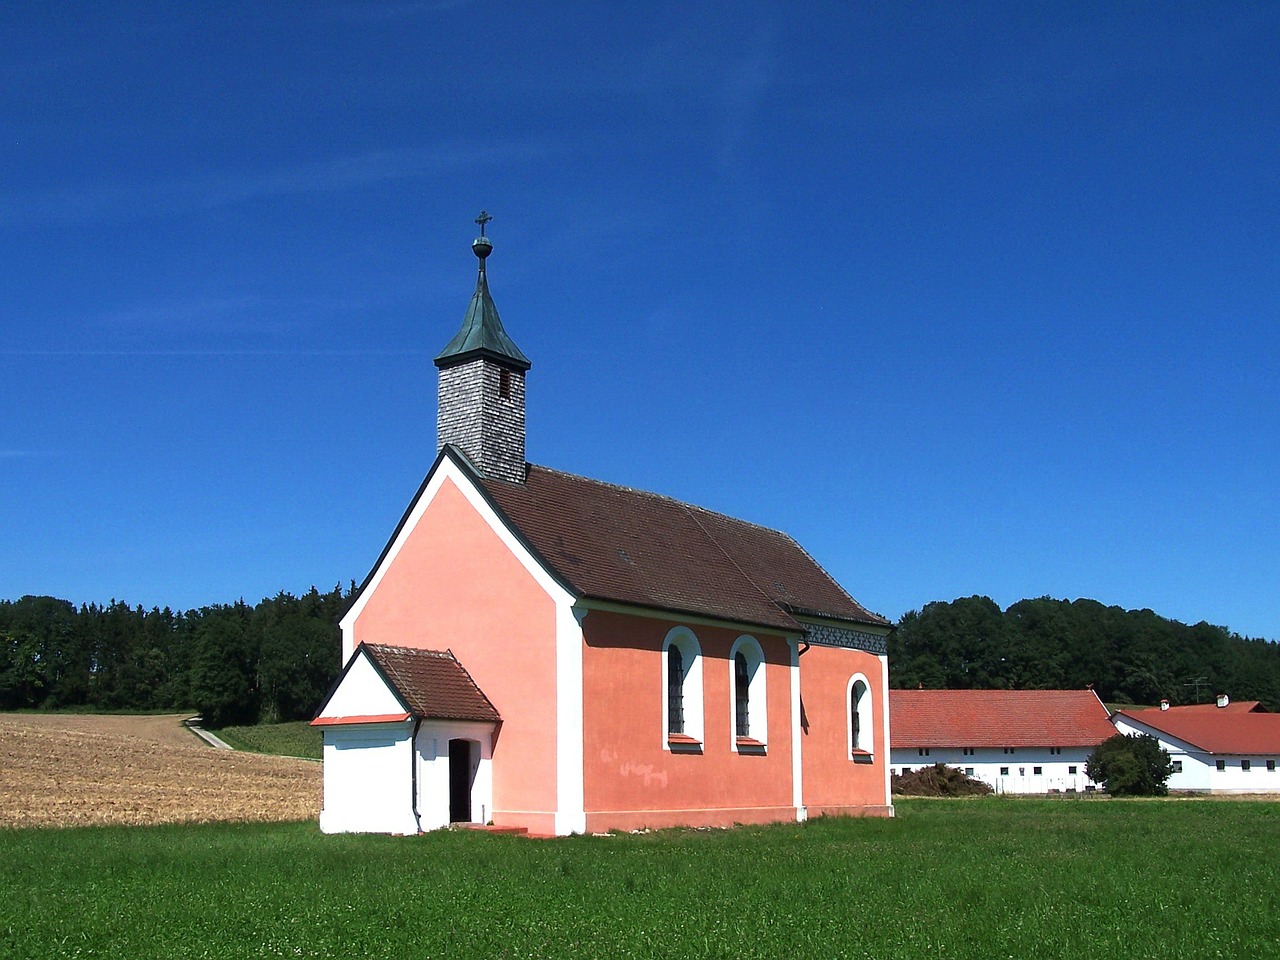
[443, 654]
[662, 496]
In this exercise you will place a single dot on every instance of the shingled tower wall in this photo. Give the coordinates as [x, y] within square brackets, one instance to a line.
[482, 372]
[474, 415]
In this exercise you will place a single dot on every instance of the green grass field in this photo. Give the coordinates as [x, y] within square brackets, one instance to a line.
[295, 739]
[977, 878]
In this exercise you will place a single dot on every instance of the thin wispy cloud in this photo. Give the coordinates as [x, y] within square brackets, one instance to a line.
[215, 190]
[395, 10]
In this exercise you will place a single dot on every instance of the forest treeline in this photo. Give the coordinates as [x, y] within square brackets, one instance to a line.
[232, 663]
[1129, 656]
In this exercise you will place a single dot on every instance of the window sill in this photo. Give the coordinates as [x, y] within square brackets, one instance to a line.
[861, 756]
[749, 745]
[683, 743]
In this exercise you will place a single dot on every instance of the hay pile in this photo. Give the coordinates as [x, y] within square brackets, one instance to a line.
[938, 781]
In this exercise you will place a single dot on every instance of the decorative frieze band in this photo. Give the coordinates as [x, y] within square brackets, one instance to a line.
[827, 635]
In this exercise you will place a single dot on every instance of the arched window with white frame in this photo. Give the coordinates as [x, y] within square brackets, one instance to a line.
[682, 688]
[861, 730]
[749, 704]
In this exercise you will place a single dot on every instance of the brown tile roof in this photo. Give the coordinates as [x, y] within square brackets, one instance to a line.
[1222, 731]
[613, 543]
[997, 718]
[432, 684]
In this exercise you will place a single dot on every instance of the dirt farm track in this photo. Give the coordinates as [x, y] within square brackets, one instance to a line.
[74, 770]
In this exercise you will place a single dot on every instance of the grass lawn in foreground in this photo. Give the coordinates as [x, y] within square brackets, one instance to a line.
[294, 739]
[994, 877]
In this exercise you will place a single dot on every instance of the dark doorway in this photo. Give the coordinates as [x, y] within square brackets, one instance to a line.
[460, 781]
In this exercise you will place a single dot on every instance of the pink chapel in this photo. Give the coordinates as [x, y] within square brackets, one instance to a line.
[540, 651]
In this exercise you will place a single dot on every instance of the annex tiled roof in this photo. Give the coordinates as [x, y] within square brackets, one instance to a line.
[1220, 731]
[627, 546]
[432, 683]
[997, 718]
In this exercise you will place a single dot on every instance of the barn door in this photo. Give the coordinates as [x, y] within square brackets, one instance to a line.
[461, 772]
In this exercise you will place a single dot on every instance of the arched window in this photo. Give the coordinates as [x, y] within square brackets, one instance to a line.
[682, 689]
[746, 680]
[861, 732]
[675, 690]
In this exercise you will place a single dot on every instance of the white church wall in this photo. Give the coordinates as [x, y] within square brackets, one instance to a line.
[366, 779]
[433, 770]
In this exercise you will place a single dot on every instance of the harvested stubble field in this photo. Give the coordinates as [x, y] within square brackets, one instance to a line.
[60, 770]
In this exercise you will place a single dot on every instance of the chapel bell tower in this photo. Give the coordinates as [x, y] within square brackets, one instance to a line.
[481, 407]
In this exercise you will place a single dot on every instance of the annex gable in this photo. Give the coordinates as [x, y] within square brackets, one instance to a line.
[362, 691]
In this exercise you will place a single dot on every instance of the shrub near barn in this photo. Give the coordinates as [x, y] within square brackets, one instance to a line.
[1128, 766]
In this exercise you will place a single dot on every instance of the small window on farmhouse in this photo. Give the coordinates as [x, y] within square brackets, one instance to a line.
[968, 751]
[1221, 764]
[861, 741]
[1071, 769]
[1271, 766]
[968, 771]
[1246, 765]
[924, 751]
[1177, 766]
[504, 384]
[1055, 751]
[1037, 771]
[1004, 771]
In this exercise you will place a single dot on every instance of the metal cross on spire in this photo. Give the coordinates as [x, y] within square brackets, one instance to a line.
[482, 220]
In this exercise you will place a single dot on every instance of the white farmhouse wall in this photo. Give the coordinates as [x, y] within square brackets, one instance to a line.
[366, 779]
[1237, 779]
[1007, 772]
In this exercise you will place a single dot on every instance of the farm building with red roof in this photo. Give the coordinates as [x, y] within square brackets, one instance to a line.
[1223, 748]
[1018, 741]
[543, 651]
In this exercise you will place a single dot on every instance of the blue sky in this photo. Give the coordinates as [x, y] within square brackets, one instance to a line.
[966, 298]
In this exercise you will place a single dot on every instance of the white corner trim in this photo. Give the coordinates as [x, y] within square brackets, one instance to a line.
[571, 816]
[797, 765]
[884, 707]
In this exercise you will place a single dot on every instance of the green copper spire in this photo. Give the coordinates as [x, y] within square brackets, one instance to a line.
[481, 334]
